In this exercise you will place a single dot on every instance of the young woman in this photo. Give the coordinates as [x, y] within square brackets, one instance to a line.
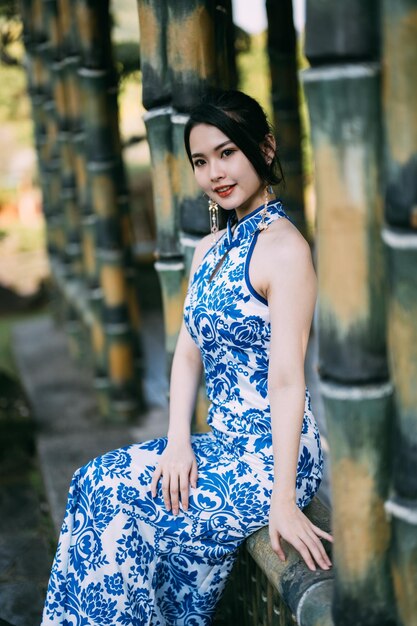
[151, 531]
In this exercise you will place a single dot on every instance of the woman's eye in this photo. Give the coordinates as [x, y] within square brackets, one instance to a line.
[198, 162]
[227, 152]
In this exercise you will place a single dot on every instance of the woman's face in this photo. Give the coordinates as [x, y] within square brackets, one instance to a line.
[223, 172]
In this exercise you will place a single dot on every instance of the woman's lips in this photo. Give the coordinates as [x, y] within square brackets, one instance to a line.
[225, 191]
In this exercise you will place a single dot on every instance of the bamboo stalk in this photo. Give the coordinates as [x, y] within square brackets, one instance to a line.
[190, 202]
[95, 102]
[93, 26]
[402, 334]
[173, 287]
[158, 128]
[170, 266]
[399, 91]
[399, 38]
[156, 76]
[107, 239]
[293, 581]
[360, 483]
[285, 98]
[178, 59]
[347, 30]
[344, 112]
[343, 99]
[67, 40]
[70, 206]
[199, 49]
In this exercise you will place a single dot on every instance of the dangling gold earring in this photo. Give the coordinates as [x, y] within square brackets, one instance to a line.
[214, 218]
[262, 224]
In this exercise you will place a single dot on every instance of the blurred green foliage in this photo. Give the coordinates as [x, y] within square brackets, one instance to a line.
[8, 8]
[14, 103]
[15, 110]
[253, 68]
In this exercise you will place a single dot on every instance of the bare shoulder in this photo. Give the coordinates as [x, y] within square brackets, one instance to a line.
[283, 244]
[281, 259]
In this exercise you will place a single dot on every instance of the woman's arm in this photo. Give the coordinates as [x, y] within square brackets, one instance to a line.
[291, 297]
[290, 287]
[177, 466]
[185, 379]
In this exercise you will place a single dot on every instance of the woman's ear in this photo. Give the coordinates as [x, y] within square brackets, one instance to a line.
[268, 147]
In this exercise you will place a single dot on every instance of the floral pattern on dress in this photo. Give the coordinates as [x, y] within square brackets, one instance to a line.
[122, 558]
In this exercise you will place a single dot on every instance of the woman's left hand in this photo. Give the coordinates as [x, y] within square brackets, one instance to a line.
[287, 521]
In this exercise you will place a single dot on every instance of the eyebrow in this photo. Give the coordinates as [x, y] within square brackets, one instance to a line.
[221, 145]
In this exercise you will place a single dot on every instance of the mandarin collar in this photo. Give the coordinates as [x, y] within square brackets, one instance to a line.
[237, 230]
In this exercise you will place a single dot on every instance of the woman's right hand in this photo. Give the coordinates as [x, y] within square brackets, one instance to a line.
[178, 469]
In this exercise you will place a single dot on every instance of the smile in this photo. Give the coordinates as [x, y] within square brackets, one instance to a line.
[225, 191]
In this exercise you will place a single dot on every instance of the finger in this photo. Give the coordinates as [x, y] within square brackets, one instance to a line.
[317, 555]
[155, 479]
[302, 549]
[322, 533]
[184, 489]
[174, 492]
[276, 545]
[317, 550]
[322, 550]
[165, 491]
[194, 474]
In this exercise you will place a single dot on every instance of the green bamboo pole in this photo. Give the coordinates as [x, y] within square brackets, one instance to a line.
[93, 24]
[343, 99]
[399, 37]
[95, 103]
[156, 78]
[200, 49]
[345, 30]
[38, 54]
[64, 33]
[170, 266]
[344, 113]
[184, 48]
[67, 195]
[158, 128]
[200, 54]
[52, 152]
[402, 334]
[173, 287]
[399, 91]
[107, 243]
[285, 98]
[190, 50]
[262, 590]
[64, 63]
[291, 579]
[66, 160]
[360, 483]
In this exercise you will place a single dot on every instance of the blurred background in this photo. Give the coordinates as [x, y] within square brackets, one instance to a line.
[99, 218]
[36, 446]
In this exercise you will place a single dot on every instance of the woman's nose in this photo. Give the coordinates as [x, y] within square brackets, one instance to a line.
[216, 171]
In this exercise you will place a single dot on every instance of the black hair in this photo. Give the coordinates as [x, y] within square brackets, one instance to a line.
[242, 119]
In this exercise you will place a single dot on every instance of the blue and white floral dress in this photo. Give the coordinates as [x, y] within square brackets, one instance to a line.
[122, 559]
